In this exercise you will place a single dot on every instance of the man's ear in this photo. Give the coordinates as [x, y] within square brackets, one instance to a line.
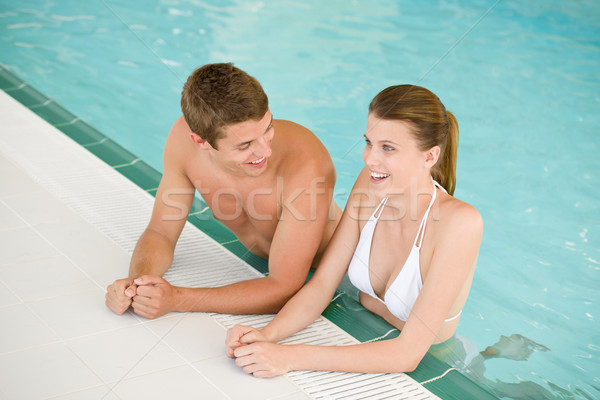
[431, 156]
[198, 141]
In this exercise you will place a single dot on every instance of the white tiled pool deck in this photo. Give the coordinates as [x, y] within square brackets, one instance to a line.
[68, 224]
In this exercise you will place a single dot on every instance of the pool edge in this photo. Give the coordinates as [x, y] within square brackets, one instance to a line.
[435, 375]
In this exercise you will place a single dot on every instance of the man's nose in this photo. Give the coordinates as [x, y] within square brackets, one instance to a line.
[264, 147]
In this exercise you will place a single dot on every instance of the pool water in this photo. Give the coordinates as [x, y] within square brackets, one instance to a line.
[522, 79]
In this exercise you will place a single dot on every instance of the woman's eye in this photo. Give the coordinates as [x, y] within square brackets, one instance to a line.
[367, 142]
[387, 148]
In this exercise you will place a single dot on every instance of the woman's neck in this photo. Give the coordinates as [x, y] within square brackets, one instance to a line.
[411, 201]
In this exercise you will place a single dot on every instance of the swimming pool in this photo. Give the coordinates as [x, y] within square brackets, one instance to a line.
[521, 78]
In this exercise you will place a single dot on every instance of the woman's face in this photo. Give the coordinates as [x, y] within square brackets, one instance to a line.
[392, 156]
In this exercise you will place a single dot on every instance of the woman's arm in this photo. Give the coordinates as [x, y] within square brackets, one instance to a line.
[449, 275]
[306, 306]
[265, 359]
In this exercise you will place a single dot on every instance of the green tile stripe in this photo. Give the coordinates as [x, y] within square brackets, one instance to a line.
[343, 311]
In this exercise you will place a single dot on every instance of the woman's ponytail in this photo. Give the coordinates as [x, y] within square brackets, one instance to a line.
[444, 170]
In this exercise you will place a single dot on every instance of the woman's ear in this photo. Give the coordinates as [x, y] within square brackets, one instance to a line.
[198, 141]
[431, 156]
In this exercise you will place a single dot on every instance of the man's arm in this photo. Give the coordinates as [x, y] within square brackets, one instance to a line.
[153, 253]
[306, 201]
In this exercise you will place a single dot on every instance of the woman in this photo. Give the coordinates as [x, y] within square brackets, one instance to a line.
[405, 242]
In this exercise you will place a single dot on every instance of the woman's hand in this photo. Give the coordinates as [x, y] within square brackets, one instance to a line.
[263, 359]
[241, 335]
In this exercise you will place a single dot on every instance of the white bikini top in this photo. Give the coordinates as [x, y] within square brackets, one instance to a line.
[400, 297]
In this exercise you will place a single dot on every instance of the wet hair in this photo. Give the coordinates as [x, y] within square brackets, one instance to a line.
[431, 125]
[218, 95]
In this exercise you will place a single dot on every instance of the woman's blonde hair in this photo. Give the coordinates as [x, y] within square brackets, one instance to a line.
[432, 125]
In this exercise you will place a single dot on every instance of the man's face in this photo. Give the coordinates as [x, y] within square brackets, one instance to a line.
[246, 146]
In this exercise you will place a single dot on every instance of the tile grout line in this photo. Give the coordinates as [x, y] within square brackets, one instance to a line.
[58, 396]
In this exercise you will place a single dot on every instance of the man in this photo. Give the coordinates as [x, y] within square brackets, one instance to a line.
[269, 181]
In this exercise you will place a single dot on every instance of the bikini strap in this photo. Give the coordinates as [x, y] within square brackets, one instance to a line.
[421, 231]
[435, 183]
[379, 208]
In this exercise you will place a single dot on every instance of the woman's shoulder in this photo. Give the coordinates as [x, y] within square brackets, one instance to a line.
[457, 215]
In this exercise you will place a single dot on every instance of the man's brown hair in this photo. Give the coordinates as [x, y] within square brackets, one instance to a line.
[217, 95]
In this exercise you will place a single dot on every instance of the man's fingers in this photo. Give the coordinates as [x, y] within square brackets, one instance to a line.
[131, 290]
[149, 280]
[145, 291]
[143, 310]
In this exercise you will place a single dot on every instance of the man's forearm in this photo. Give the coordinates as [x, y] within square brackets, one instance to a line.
[153, 255]
[256, 296]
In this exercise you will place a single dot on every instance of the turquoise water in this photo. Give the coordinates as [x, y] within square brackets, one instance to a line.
[522, 79]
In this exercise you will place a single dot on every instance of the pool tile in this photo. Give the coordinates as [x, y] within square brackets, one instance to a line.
[454, 385]
[74, 237]
[15, 182]
[222, 371]
[111, 153]
[8, 80]
[28, 96]
[293, 396]
[175, 383]
[80, 314]
[429, 368]
[54, 113]
[182, 334]
[9, 219]
[81, 132]
[6, 166]
[24, 244]
[103, 264]
[43, 372]
[22, 329]
[124, 353]
[7, 296]
[141, 174]
[40, 208]
[53, 276]
[101, 392]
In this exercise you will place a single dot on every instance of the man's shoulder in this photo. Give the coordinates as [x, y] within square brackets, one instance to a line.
[177, 146]
[179, 128]
[299, 143]
[301, 150]
[290, 130]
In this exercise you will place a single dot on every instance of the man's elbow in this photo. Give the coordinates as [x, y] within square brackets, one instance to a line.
[283, 292]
